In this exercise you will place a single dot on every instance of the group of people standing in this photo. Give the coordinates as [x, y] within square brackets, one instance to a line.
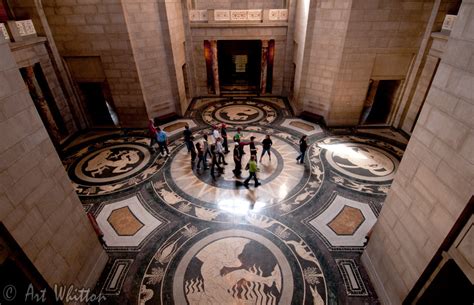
[218, 148]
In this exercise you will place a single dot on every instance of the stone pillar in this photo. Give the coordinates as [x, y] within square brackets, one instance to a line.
[39, 206]
[263, 67]
[42, 105]
[435, 181]
[215, 67]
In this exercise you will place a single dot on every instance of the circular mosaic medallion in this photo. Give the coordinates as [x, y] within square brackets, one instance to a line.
[234, 267]
[280, 177]
[362, 161]
[360, 164]
[239, 113]
[199, 265]
[111, 165]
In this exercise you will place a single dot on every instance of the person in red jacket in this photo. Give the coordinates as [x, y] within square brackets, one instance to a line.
[152, 134]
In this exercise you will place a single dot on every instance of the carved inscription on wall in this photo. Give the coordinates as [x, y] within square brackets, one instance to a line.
[276, 15]
[198, 15]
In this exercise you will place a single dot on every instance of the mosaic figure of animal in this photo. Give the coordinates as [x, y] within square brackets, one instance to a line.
[102, 162]
[217, 288]
[240, 114]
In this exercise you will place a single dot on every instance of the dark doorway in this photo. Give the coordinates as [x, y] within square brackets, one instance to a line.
[239, 65]
[383, 101]
[98, 104]
[450, 286]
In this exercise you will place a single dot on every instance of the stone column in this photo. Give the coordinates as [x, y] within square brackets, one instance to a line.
[42, 105]
[215, 67]
[263, 67]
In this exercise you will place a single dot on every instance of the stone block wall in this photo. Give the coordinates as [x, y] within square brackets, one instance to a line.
[299, 36]
[323, 50]
[174, 13]
[391, 29]
[146, 23]
[345, 38]
[435, 179]
[417, 82]
[27, 54]
[96, 28]
[430, 65]
[39, 206]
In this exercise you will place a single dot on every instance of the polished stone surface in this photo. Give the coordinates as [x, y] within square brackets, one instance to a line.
[175, 236]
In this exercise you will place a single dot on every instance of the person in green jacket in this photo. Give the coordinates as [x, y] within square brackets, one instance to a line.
[253, 169]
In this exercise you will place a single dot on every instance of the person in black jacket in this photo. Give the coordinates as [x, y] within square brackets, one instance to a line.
[214, 163]
[237, 160]
[193, 151]
[267, 145]
[303, 147]
[224, 138]
[187, 138]
[253, 148]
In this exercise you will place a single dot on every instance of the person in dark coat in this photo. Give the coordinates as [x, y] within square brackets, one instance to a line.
[200, 156]
[237, 160]
[266, 146]
[193, 151]
[187, 137]
[224, 138]
[214, 163]
[303, 148]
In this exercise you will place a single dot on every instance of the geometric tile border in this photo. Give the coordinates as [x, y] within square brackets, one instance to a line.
[293, 124]
[178, 130]
[139, 212]
[320, 224]
[116, 277]
[352, 279]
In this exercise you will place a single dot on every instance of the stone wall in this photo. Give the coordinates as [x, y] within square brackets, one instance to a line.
[299, 36]
[96, 28]
[29, 9]
[203, 32]
[436, 176]
[147, 24]
[39, 206]
[174, 13]
[326, 32]
[29, 53]
[424, 65]
[431, 61]
[351, 41]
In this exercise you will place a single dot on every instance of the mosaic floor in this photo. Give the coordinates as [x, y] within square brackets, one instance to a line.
[174, 236]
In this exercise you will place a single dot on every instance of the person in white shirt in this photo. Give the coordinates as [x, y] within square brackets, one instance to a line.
[215, 133]
[220, 151]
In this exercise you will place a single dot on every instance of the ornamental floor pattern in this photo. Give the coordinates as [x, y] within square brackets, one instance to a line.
[175, 236]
